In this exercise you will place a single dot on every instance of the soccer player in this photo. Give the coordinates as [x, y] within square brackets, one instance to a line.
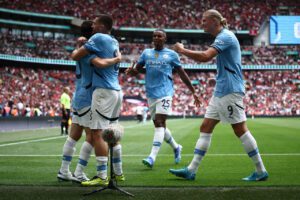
[65, 102]
[106, 99]
[81, 105]
[160, 62]
[226, 104]
[139, 113]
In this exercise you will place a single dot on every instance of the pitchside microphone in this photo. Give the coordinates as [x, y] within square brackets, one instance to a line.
[113, 133]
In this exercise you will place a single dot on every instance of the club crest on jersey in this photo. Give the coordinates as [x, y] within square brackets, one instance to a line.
[156, 55]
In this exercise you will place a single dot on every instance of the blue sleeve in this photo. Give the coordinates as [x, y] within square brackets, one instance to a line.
[91, 57]
[141, 60]
[91, 44]
[222, 42]
[175, 62]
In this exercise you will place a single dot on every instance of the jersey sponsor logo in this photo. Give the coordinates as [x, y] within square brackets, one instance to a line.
[165, 56]
[155, 62]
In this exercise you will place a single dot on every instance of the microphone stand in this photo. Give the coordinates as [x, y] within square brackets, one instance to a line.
[112, 185]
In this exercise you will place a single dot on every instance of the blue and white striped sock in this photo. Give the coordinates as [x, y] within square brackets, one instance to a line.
[102, 166]
[169, 139]
[202, 146]
[157, 141]
[117, 159]
[68, 152]
[251, 148]
[84, 156]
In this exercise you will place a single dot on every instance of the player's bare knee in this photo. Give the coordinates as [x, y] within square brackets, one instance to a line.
[239, 128]
[160, 123]
[208, 125]
[89, 139]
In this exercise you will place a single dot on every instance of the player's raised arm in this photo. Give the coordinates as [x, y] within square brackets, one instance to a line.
[184, 77]
[102, 63]
[201, 56]
[77, 54]
[80, 51]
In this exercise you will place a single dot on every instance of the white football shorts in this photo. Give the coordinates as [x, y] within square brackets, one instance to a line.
[106, 107]
[160, 106]
[82, 117]
[228, 109]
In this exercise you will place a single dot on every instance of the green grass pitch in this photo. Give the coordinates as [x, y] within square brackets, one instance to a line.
[30, 160]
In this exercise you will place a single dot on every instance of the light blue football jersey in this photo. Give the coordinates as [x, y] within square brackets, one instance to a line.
[104, 46]
[83, 85]
[159, 66]
[229, 77]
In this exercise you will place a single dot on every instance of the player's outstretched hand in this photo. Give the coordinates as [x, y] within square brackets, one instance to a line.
[131, 71]
[178, 47]
[197, 101]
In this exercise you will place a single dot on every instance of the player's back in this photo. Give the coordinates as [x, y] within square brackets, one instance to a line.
[104, 46]
[83, 91]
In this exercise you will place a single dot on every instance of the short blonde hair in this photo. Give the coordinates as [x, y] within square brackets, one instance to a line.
[217, 15]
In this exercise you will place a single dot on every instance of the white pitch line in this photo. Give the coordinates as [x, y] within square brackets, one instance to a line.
[53, 138]
[161, 155]
[29, 141]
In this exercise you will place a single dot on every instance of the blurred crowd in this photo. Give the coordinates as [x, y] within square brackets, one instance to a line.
[28, 46]
[32, 92]
[36, 92]
[60, 48]
[183, 14]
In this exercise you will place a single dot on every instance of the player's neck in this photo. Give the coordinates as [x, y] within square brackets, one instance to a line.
[218, 30]
[158, 48]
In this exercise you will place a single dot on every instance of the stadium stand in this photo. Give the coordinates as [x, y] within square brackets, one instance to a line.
[60, 48]
[271, 93]
[271, 90]
[184, 14]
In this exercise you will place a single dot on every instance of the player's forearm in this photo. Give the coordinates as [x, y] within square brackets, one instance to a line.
[189, 85]
[187, 82]
[139, 67]
[200, 56]
[102, 63]
[77, 54]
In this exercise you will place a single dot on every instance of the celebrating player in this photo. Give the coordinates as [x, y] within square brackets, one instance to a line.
[81, 105]
[106, 99]
[160, 62]
[227, 102]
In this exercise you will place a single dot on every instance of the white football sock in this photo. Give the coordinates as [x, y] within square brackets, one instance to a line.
[251, 149]
[102, 166]
[68, 152]
[117, 159]
[84, 156]
[157, 141]
[202, 146]
[169, 139]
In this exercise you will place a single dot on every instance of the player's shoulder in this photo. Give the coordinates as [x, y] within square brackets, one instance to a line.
[99, 36]
[225, 36]
[170, 52]
[148, 50]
